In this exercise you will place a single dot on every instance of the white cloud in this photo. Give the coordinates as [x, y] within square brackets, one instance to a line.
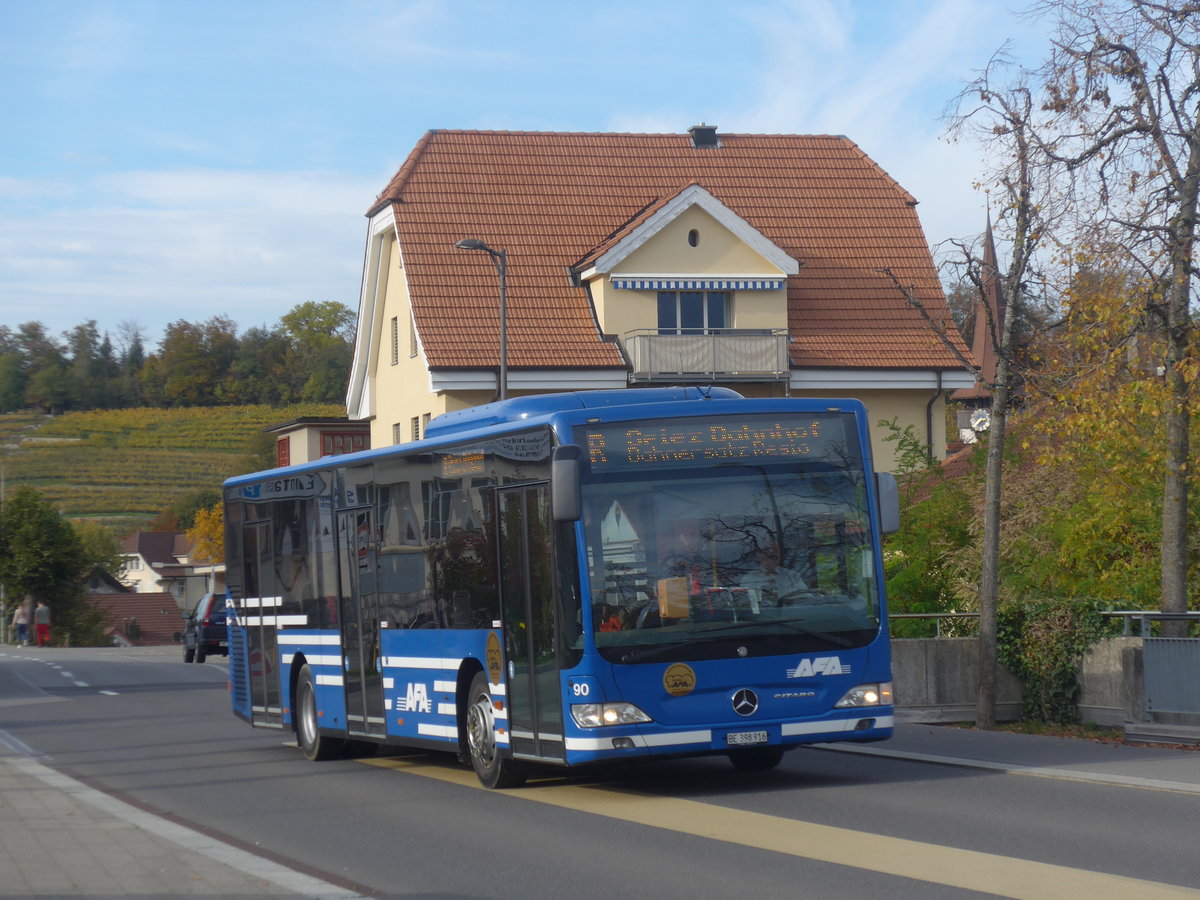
[162, 246]
[835, 68]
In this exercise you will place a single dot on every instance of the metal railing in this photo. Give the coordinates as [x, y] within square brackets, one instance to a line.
[937, 617]
[1144, 618]
[724, 354]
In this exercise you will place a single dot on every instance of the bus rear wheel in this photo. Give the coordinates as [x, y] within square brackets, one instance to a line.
[756, 759]
[491, 768]
[313, 744]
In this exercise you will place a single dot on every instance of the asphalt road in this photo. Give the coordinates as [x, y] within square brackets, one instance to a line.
[143, 726]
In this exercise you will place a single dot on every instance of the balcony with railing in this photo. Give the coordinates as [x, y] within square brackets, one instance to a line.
[714, 354]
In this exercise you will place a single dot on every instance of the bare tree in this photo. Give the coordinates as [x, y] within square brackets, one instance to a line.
[997, 109]
[1123, 82]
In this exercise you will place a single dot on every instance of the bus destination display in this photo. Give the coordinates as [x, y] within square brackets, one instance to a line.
[706, 440]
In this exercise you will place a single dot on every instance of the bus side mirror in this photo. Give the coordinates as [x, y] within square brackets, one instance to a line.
[565, 466]
[889, 502]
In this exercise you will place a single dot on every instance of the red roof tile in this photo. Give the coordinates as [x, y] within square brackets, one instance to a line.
[553, 199]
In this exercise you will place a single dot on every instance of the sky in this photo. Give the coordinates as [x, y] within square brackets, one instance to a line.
[181, 159]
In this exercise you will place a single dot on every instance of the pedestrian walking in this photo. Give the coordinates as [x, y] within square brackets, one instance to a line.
[41, 623]
[20, 621]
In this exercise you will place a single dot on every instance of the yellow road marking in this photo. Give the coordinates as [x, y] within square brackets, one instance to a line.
[1005, 876]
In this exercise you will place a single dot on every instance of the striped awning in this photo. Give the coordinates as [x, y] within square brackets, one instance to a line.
[698, 284]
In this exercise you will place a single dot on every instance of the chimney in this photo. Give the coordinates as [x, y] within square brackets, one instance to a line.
[704, 136]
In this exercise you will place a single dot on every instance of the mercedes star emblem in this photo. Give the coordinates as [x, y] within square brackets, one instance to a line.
[745, 702]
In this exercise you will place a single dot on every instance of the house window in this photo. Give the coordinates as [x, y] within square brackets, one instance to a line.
[283, 451]
[692, 312]
[395, 432]
[335, 442]
[415, 426]
[412, 335]
[425, 423]
[395, 340]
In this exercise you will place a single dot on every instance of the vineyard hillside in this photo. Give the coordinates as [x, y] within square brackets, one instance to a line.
[125, 466]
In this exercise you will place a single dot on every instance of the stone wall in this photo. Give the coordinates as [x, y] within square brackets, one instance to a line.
[937, 680]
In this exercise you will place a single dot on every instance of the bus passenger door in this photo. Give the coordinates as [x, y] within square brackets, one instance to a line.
[361, 663]
[259, 658]
[535, 714]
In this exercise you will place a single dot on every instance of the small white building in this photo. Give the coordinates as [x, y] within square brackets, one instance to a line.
[160, 562]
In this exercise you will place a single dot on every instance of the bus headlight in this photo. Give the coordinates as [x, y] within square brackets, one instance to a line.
[867, 695]
[597, 715]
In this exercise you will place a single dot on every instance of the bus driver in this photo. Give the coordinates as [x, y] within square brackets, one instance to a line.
[775, 582]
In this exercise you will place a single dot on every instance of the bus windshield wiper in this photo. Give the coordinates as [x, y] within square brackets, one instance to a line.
[719, 634]
[792, 627]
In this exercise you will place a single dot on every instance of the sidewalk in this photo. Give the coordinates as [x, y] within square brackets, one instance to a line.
[61, 838]
[1161, 768]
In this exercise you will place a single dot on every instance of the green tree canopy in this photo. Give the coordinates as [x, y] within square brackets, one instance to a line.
[40, 553]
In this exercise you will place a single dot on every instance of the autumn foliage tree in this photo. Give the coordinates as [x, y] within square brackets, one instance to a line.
[207, 536]
[1102, 411]
[1121, 117]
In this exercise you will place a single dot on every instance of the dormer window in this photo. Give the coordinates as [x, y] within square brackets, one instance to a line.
[692, 312]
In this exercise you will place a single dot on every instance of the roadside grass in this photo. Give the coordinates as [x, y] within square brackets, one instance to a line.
[122, 467]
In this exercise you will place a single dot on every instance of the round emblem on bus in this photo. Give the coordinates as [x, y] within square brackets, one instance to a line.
[495, 665]
[745, 702]
[679, 679]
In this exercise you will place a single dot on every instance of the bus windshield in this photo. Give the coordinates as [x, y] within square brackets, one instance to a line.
[714, 539]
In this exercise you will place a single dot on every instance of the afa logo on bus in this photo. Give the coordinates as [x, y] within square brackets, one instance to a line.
[822, 665]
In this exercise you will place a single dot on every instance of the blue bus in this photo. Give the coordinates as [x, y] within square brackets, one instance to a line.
[572, 579]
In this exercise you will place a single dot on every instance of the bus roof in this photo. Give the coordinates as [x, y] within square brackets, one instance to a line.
[517, 409]
[539, 408]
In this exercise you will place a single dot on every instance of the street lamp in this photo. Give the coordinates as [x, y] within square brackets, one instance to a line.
[500, 261]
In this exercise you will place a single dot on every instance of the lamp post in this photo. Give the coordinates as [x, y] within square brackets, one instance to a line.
[500, 261]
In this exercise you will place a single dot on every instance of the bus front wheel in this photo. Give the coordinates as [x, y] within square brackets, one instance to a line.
[492, 768]
[313, 744]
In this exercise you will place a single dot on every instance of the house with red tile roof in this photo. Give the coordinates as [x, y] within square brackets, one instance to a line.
[160, 562]
[765, 263]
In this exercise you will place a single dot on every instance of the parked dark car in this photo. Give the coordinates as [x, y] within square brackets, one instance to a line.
[204, 629]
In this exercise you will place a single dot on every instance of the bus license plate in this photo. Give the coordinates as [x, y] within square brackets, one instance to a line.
[738, 738]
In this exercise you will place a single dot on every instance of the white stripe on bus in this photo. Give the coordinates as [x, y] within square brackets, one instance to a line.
[315, 660]
[654, 740]
[552, 738]
[273, 620]
[442, 731]
[329, 679]
[259, 602]
[419, 662]
[794, 728]
[447, 709]
[307, 640]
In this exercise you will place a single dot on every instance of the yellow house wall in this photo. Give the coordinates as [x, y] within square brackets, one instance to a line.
[907, 407]
[718, 252]
[401, 390]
